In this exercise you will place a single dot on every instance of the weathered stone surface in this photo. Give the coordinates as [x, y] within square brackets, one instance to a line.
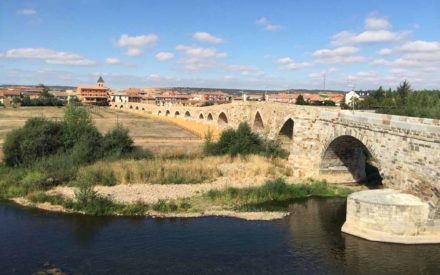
[390, 216]
[406, 150]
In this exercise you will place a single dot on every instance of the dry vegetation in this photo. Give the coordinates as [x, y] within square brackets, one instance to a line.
[161, 138]
[179, 171]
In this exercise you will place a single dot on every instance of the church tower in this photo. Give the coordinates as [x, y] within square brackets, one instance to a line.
[100, 82]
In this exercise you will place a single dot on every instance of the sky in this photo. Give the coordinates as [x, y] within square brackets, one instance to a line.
[356, 44]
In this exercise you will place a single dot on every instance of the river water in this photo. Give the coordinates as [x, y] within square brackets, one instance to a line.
[309, 241]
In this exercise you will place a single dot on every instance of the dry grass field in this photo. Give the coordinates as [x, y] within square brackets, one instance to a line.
[161, 137]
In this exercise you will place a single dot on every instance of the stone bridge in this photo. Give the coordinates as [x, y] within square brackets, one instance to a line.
[333, 144]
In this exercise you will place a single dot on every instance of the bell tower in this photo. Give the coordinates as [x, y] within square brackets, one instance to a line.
[100, 82]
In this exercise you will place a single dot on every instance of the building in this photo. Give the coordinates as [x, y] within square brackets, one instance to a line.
[351, 97]
[94, 95]
[7, 96]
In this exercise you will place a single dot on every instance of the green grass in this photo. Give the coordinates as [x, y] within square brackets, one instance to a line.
[273, 192]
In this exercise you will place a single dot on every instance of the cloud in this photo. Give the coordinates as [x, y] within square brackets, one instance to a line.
[264, 22]
[377, 23]
[112, 61]
[198, 58]
[164, 56]
[49, 56]
[286, 63]
[26, 12]
[242, 69]
[341, 55]
[136, 44]
[412, 54]
[206, 37]
[376, 31]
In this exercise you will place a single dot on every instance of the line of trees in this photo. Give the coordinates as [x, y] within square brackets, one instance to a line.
[301, 101]
[403, 101]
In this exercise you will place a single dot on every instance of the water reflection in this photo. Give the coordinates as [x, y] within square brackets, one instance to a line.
[309, 241]
[314, 234]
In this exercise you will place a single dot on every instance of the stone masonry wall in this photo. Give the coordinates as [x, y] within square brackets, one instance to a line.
[406, 150]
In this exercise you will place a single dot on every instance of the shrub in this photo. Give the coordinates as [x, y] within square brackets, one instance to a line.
[243, 142]
[117, 142]
[36, 139]
[163, 206]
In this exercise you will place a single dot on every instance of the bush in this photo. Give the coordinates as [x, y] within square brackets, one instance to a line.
[243, 142]
[117, 142]
[36, 139]
[163, 206]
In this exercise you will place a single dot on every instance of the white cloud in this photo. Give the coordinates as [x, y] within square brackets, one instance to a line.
[287, 63]
[341, 55]
[412, 54]
[376, 31]
[26, 12]
[49, 56]
[164, 56]
[264, 22]
[198, 58]
[112, 61]
[242, 69]
[377, 23]
[385, 51]
[136, 44]
[206, 37]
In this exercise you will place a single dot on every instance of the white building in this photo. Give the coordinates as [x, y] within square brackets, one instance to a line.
[119, 97]
[349, 97]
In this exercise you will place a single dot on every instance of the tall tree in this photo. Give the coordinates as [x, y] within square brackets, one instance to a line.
[403, 90]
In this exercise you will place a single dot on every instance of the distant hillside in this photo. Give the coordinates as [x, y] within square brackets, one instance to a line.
[248, 91]
[50, 87]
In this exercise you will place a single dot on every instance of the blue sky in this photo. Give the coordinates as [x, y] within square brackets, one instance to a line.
[225, 44]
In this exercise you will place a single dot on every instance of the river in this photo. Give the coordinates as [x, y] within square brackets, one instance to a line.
[309, 241]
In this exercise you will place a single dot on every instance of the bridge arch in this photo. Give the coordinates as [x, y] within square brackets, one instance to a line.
[167, 113]
[201, 116]
[258, 122]
[159, 112]
[286, 131]
[176, 114]
[122, 106]
[187, 114]
[345, 158]
[143, 109]
[131, 107]
[209, 117]
[137, 108]
[222, 119]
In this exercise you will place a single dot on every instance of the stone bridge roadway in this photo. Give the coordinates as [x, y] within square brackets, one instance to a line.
[328, 143]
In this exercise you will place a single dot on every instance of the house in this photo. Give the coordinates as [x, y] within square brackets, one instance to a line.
[94, 95]
[351, 97]
[7, 96]
[119, 97]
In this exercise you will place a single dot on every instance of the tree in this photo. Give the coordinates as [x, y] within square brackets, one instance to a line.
[77, 122]
[403, 90]
[300, 100]
[379, 94]
[38, 138]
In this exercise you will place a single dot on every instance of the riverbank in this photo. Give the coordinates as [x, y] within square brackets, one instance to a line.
[253, 200]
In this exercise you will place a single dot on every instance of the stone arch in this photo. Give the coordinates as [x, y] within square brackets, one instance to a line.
[143, 109]
[131, 107]
[187, 114]
[167, 113]
[201, 116]
[258, 122]
[122, 106]
[222, 119]
[346, 158]
[137, 108]
[286, 131]
[176, 114]
[209, 117]
[159, 112]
